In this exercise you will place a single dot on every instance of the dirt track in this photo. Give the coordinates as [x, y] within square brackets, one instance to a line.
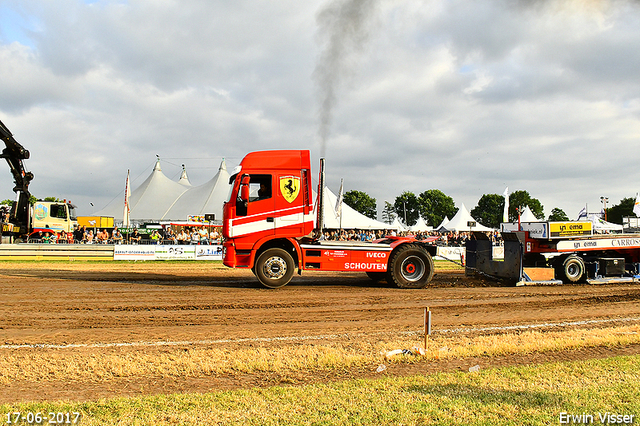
[68, 303]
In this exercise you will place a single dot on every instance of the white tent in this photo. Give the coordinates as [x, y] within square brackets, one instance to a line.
[397, 225]
[421, 226]
[528, 216]
[160, 198]
[600, 226]
[351, 219]
[460, 222]
[203, 199]
[443, 223]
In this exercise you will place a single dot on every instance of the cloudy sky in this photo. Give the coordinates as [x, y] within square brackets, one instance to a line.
[462, 96]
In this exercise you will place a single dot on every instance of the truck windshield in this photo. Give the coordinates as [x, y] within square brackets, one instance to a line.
[232, 179]
[72, 212]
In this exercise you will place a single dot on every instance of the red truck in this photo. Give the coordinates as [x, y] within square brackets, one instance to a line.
[271, 227]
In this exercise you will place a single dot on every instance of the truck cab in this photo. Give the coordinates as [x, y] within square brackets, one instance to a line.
[53, 217]
[270, 202]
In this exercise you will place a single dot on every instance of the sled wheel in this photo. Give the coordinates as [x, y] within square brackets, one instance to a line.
[572, 270]
[411, 266]
[377, 276]
[274, 268]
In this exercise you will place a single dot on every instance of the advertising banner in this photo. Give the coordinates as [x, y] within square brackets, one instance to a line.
[175, 252]
[569, 229]
[204, 252]
[134, 252]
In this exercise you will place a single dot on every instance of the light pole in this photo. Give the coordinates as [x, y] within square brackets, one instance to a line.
[604, 204]
[404, 203]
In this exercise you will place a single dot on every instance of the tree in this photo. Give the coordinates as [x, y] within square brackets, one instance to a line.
[361, 202]
[521, 199]
[558, 215]
[489, 210]
[32, 201]
[435, 205]
[624, 209]
[388, 214]
[407, 204]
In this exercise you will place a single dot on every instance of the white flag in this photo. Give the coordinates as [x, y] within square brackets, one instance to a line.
[339, 201]
[127, 193]
[582, 214]
[505, 215]
[636, 206]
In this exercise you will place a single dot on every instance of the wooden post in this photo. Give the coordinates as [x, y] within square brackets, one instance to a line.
[427, 326]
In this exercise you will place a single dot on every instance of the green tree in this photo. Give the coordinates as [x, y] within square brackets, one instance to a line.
[624, 209]
[558, 215]
[388, 214]
[407, 203]
[53, 199]
[8, 202]
[489, 210]
[521, 199]
[435, 205]
[361, 202]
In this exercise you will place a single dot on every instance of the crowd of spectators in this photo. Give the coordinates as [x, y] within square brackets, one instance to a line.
[205, 235]
[451, 239]
[163, 235]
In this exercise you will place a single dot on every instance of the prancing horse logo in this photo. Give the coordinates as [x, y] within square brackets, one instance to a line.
[290, 187]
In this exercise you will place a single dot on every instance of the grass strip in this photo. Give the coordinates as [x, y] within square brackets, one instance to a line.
[103, 364]
[532, 395]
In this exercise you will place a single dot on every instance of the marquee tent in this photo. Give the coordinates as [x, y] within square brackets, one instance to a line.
[601, 226]
[397, 225]
[351, 219]
[527, 216]
[421, 226]
[459, 222]
[159, 198]
[443, 223]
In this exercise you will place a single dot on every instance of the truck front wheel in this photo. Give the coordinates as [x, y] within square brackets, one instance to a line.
[274, 268]
[410, 266]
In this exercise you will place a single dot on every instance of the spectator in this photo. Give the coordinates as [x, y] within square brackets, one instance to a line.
[117, 236]
[135, 236]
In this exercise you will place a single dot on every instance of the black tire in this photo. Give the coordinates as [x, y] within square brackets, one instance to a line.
[410, 266]
[572, 270]
[274, 268]
[377, 276]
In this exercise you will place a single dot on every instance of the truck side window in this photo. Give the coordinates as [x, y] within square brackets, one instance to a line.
[58, 211]
[260, 187]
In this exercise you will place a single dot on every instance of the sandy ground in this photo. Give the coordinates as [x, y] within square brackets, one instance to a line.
[77, 302]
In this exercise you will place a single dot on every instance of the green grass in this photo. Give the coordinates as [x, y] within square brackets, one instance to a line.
[532, 395]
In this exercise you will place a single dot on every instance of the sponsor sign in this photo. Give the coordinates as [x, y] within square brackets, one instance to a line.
[569, 229]
[536, 229]
[208, 252]
[599, 244]
[175, 252]
[134, 252]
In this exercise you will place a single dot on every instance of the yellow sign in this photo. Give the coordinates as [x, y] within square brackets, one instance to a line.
[569, 229]
[290, 187]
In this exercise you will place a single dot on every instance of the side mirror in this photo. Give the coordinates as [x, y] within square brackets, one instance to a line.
[244, 188]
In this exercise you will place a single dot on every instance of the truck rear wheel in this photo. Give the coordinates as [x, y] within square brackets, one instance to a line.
[411, 266]
[274, 268]
[572, 269]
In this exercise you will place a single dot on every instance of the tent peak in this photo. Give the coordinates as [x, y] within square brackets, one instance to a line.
[157, 167]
